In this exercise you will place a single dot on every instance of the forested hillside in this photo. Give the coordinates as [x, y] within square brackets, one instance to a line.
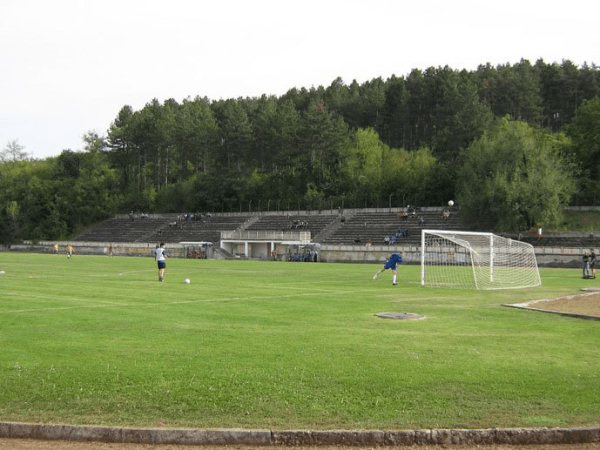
[517, 141]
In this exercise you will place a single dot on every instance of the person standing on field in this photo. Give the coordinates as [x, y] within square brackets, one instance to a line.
[160, 255]
[592, 259]
[586, 265]
[69, 249]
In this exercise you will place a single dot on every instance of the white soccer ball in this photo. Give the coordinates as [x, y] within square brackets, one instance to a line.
[451, 203]
[187, 281]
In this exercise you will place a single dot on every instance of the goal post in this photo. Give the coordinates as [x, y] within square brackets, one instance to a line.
[465, 259]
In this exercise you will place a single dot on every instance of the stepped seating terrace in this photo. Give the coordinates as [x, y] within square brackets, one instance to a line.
[364, 227]
[162, 228]
[568, 240]
[286, 222]
[354, 228]
[206, 230]
[126, 229]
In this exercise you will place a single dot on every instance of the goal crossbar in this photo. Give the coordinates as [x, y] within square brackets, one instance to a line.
[477, 260]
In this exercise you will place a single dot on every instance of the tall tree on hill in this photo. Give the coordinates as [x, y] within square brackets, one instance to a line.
[516, 92]
[439, 108]
[363, 169]
[165, 160]
[563, 88]
[323, 140]
[551, 85]
[589, 81]
[122, 149]
[516, 176]
[367, 100]
[266, 133]
[87, 191]
[405, 176]
[13, 177]
[359, 105]
[392, 126]
[418, 126]
[277, 127]
[337, 96]
[236, 136]
[142, 144]
[377, 175]
[584, 132]
[148, 133]
[195, 137]
[302, 98]
[456, 113]
[287, 123]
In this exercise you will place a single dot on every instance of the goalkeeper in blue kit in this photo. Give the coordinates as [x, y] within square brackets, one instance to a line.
[391, 264]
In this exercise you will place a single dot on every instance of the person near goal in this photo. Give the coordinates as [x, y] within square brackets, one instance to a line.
[587, 273]
[391, 264]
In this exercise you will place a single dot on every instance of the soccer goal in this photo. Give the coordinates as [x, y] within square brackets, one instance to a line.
[464, 259]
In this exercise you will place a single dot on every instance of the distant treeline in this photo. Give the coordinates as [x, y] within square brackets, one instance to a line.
[480, 137]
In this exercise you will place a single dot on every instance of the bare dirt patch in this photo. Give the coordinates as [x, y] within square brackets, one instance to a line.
[586, 305]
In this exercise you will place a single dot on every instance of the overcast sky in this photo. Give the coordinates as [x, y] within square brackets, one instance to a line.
[68, 66]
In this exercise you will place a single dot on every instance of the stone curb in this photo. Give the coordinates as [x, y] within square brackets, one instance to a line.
[506, 436]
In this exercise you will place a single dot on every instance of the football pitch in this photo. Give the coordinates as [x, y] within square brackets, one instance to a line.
[98, 340]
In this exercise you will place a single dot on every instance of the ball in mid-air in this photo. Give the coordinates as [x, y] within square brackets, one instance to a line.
[187, 281]
[450, 202]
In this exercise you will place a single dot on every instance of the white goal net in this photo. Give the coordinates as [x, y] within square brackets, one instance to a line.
[465, 259]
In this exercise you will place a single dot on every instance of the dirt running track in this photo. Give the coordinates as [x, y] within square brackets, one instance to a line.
[583, 305]
[586, 304]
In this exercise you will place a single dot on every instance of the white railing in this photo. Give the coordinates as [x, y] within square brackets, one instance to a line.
[248, 235]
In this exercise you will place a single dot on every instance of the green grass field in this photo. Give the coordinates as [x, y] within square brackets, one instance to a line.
[97, 340]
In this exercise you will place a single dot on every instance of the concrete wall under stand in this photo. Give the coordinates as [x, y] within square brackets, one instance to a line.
[546, 256]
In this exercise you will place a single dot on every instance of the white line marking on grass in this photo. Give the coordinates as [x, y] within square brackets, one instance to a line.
[108, 304]
[278, 289]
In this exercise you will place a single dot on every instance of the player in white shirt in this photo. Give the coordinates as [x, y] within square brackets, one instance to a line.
[160, 255]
